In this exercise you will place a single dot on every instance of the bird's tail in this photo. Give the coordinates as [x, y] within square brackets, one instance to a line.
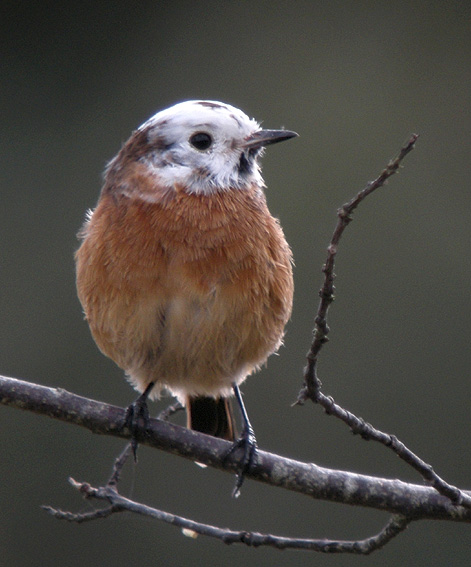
[212, 416]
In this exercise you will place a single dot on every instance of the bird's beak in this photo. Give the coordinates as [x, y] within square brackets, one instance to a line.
[263, 138]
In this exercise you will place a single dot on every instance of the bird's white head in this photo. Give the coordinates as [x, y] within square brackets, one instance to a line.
[203, 147]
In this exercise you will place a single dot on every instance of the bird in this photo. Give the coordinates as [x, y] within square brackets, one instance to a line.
[184, 276]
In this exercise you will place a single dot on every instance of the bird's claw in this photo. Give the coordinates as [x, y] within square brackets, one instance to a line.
[137, 419]
[248, 443]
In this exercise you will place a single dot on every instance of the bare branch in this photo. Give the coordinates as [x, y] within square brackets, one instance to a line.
[394, 496]
[118, 503]
[191, 528]
[312, 384]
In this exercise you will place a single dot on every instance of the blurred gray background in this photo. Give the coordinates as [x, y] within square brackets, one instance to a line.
[355, 79]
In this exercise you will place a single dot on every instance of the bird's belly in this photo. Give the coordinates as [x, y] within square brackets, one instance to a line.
[205, 345]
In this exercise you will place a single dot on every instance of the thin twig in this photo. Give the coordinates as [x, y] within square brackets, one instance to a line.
[83, 517]
[167, 413]
[312, 384]
[119, 464]
[368, 432]
[118, 503]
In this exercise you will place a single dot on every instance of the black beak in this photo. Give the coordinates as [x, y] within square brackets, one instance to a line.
[263, 138]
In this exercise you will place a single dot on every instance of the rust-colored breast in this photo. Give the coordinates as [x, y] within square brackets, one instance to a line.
[193, 290]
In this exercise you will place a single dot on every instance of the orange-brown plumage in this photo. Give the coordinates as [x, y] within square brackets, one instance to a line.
[190, 289]
[193, 292]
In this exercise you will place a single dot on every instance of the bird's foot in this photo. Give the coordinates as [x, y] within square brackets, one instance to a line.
[248, 443]
[137, 418]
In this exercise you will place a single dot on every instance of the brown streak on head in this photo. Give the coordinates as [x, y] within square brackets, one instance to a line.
[234, 117]
[136, 147]
[209, 104]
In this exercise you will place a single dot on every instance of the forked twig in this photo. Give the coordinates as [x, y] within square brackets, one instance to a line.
[312, 384]
[118, 503]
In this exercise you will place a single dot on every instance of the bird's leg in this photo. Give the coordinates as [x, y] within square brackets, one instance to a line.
[137, 417]
[246, 441]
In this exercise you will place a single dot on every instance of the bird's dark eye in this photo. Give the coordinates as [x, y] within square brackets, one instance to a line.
[201, 141]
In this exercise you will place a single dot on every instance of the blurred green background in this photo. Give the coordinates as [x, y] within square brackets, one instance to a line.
[354, 79]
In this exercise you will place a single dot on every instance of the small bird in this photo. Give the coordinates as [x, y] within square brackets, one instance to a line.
[184, 276]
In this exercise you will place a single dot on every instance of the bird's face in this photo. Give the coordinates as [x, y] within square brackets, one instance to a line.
[203, 147]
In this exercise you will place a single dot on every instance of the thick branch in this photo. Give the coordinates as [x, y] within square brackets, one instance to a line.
[394, 496]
